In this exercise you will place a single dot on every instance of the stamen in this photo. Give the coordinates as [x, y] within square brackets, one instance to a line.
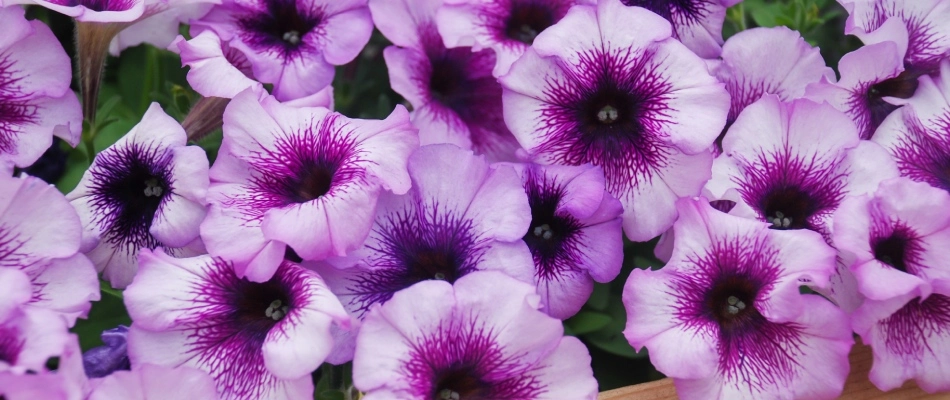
[544, 232]
[608, 114]
[779, 220]
[292, 37]
[152, 188]
[449, 394]
[527, 34]
[735, 305]
[440, 276]
[276, 310]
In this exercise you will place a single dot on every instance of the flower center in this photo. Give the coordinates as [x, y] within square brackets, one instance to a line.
[607, 114]
[527, 20]
[276, 310]
[434, 264]
[788, 208]
[544, 232]
[730, 302]
[893, 250]
[460, 383]
[152, 188]
[901, 86]
[292, 37]
[313, 183]
[611, 116]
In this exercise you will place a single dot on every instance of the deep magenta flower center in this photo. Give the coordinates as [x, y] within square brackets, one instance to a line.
[527, 20]
[458, 383]
[283, 26]
[789, 208]
[259, 306]
[731, 302]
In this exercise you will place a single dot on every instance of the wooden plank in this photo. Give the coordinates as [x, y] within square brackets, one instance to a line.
[857, 387]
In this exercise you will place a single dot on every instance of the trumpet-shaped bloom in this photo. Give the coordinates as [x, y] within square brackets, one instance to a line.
[873, 84]
[919, 27]
[763, 61]
[152, 382]
[146, 190]
[40, 235]
[455, 98]
[917, 135]
[159, 23]
[506, 26]
[460, 216]
[598, 89]
[724, 318]
[895, 243]
[575, 235]
[256, 340]
[35, 100]
[481, 338]
[696, 23]
[292, 44]
[306, 178]
[792, 164]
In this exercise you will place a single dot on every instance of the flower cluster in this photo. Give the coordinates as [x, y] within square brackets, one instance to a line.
[436, 253]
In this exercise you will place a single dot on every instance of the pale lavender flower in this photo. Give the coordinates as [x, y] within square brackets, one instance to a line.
[293, 45]
[918, 135]
[596, 88]
[68, 382]
[152, 382]
[305, 179]
[146, 190]
[696, 23]
[256, 340]
[455, 98]
[40, 235]
[895, 242]
[481, 338]
[28, 335]
[724, 318]
[37, 103]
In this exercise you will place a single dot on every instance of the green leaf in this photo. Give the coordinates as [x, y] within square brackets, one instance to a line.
[107, 289]
[586, 322]
[76, 164]
[599, 297]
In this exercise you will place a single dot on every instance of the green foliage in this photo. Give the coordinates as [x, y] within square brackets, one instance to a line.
[107, 313]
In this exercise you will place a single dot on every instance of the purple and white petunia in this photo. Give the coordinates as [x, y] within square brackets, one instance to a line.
[762, 61]
[919, 27]
[460, 216]
[66, 383]
[895, 243]
[159, 24]
[481, 338]
[873, 84]
[918, 135]
[153, 382]
[724, 318]
[304, 179]
[455, 98]
[94, 11]
[35, 100]
[575, 235]
[292, 44]
[146, 190]
[256, 340]
[40, 235]
[506, 26]
[28, 335]
[792, 163]
[696, 23]
[598, 89]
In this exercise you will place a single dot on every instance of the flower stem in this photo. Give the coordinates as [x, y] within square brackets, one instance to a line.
[92, 45]
[206, 115]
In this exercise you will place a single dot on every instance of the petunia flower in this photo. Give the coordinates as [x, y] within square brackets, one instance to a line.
[792, 163]
[895, 243]
[596, 88]
[724, 318]
[28, 335]
[461, 215]
[575, 235]
[506, 26]
[762, 61]
[40, 235]
[34, 90]
[482, 337]
[917, 135]
[455, 98]
[306, 178]
[256, 340]
[696, 23]
[293, 45]
[159, 24]
[919, 27]
[146, 190]
[873, 84]
[154, 382]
